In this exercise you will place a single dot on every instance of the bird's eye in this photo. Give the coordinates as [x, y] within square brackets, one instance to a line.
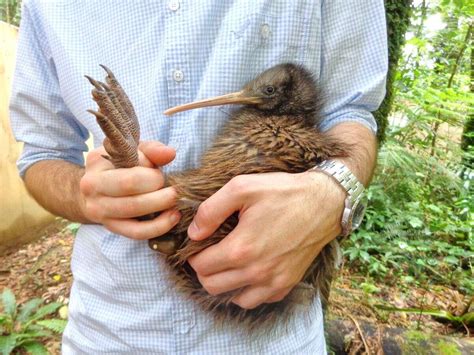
[269, 90]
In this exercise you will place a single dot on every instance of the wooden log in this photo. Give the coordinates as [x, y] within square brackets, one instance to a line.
[343, 337]
[21, 218]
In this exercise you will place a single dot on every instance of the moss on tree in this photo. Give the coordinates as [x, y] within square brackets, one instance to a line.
[398, 13]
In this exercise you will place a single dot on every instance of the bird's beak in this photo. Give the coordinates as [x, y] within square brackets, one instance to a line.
[233, 98]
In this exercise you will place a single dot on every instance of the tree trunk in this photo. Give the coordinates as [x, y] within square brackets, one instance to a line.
[467, 140]
[398, 14]
[450, 83]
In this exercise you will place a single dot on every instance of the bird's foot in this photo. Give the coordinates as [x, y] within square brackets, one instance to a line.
[117, 119]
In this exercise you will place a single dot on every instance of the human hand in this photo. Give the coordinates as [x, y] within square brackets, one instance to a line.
[115, 197]
[284, 222]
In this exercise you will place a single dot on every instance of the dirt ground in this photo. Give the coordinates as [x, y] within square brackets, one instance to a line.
[42, 269]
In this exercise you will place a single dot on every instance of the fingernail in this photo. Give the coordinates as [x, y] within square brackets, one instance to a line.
[193, 230]
[175, 217]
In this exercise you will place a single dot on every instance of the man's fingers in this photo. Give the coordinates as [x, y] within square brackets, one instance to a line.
[253, 296]
[95, 161]
[225, 255]
[279, 296]
[217, 208]
[122, 182]
[134, 206]
[227, 281]
[151, 154]
[157, 153]
[142, 230]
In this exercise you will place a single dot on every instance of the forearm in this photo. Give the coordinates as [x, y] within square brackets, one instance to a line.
[363, 149]
[54, 184]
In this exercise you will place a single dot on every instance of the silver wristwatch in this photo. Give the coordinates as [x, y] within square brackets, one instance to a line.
[354, 207]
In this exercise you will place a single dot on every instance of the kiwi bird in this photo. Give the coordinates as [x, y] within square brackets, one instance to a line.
[276, 130]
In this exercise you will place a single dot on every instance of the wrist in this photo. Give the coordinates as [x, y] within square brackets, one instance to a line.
[54, 184]
[322, 184]
[361, 157]
[353, 206]
[82, 207]
[79, 214]
[362, 176]
[329, 195]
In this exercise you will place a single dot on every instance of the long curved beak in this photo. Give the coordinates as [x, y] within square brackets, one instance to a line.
[238, 97]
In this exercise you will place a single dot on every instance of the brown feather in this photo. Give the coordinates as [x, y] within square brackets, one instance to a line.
[249, 145]
[276, 135]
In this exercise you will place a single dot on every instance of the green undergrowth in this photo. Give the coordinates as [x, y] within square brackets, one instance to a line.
[418, 224]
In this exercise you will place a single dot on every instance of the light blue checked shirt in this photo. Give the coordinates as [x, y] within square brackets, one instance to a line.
[167, 53]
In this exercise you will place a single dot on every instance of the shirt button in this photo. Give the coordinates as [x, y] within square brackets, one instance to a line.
[173, 5]
[265, 30]
[185, 327]
[178, 76]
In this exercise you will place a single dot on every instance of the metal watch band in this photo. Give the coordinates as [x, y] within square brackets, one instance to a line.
[350, 183]
[344, 176]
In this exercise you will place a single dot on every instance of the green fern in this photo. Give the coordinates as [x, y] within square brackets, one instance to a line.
[7, 343]
[417, 219]
[9, 302]
[25, 326]
[28, 308]
[56, 325]
[35, 348]
[44, 311]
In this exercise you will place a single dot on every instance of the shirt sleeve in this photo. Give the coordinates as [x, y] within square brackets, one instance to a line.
[354, 61]
[39, 116]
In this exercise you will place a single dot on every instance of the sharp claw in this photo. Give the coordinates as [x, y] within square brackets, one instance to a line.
[117, 119]
[103, 85]
[99, 85]
[94, 82]
[108, 71]
[97, 114]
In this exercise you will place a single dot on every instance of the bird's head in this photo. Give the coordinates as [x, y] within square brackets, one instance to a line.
[284, 89]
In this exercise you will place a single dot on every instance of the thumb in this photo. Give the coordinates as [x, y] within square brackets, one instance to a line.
[214, 211]
[157, 153]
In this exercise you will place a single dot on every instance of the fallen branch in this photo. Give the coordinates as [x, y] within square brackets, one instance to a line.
[367, 349]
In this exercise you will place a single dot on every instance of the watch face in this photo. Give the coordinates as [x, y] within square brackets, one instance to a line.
[358, 215]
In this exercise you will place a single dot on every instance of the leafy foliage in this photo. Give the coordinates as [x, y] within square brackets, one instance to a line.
[419, 222]
[23, 327]
[73, 227]
[10, 11]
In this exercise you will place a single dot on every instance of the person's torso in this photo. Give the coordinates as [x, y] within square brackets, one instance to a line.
[166, 53]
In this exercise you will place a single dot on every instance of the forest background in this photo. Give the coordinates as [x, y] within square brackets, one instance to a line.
[414, 254]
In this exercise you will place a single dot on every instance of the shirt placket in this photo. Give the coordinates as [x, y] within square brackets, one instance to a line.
[177, 69]
[177, 76]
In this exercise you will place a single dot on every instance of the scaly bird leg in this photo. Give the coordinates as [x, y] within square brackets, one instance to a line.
[118, 121]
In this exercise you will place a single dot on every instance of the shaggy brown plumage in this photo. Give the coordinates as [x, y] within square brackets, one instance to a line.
[276, 131]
